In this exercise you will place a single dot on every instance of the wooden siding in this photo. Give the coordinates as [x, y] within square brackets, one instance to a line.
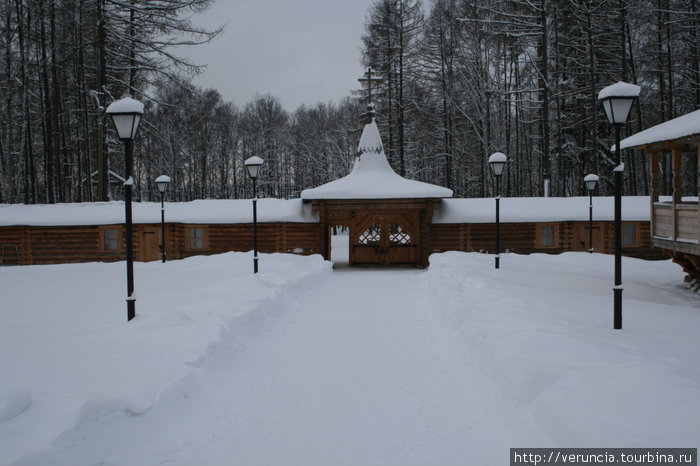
[47, 245]
[65, 244]
[522, 238]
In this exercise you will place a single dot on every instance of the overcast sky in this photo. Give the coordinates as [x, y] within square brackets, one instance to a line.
[301, 51]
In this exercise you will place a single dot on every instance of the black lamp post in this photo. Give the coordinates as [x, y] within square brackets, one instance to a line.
[497, 161]
[591, 182]
[126, 115]
[162, 182]
[253, 165]
[617, 99]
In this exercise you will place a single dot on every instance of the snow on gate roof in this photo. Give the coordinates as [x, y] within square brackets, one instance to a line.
[373, 178]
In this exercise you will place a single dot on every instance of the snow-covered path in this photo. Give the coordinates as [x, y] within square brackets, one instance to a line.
[355, 369]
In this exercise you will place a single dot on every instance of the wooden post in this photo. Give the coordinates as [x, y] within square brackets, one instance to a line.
[654, 198]
[697, 217]
[676, 165]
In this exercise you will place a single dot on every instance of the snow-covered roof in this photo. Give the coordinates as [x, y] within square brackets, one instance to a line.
[513, 210]
[198, 212]
[681, 127]
[373, 178]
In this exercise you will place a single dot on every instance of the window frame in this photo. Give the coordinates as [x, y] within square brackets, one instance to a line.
[540, 237]
[119, 239]
[636, 242]
[204, 239]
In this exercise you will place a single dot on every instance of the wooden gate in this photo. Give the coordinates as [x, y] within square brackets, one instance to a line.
[385, 239]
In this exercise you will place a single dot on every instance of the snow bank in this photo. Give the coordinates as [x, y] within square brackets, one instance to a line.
[540, 330]
[67, 353]
[201, 211]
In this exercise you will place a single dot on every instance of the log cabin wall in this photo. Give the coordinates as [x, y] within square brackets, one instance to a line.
[28, 245]
[32, 245]
[528, 238]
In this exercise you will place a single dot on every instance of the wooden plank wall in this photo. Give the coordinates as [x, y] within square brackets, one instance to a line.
[67, 244]
[521, 238]
[48, 245]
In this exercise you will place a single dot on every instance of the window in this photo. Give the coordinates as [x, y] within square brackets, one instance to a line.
[629, 234]
[196, 238]
[547, 236]
[111, 239]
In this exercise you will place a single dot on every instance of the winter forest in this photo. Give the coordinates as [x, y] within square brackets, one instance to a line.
[460, 79]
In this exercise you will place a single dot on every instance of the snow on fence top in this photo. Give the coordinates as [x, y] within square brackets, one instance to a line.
[540, 209]
[373, 178]
[681, 127]
[513, 210]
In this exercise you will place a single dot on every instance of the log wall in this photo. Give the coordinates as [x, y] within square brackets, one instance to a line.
[522, 238]
[66, 244]
[63, 244]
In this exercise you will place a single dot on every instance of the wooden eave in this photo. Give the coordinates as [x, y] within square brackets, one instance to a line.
[685, 144]
[391, 203]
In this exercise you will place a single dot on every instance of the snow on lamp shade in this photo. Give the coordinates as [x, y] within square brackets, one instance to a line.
[497, 161]
[253, 165]
[591, 181]
[617, 100]
[126, 114]
[162, 182]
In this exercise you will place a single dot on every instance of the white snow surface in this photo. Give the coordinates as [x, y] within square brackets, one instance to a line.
[373, 178]
[304, 365]
[681, 127]
[620, 89]
[513, 210]
[197, 212]
[125, 105]
[540, 209]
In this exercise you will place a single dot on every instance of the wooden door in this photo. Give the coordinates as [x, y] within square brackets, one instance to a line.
[582, 239]
[385, 239]
[149, 244]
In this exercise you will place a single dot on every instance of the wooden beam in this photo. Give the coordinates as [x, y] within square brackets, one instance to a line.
[698, 190]
[654, 165]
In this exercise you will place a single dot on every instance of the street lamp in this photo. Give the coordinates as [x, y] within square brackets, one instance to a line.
[253, 165]
[617, 100]
[126, 115]
[498, 161]
[591, 182]
[162, 182]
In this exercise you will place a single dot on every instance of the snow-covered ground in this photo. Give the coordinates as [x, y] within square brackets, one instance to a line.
[303, 364]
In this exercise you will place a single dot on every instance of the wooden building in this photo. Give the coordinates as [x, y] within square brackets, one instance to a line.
[543, 225]
[675, 222]
[61, 233]
[388, 217]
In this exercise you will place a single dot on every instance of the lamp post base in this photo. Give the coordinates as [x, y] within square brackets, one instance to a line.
[617, 297]
[130, 308]
[498, 262]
